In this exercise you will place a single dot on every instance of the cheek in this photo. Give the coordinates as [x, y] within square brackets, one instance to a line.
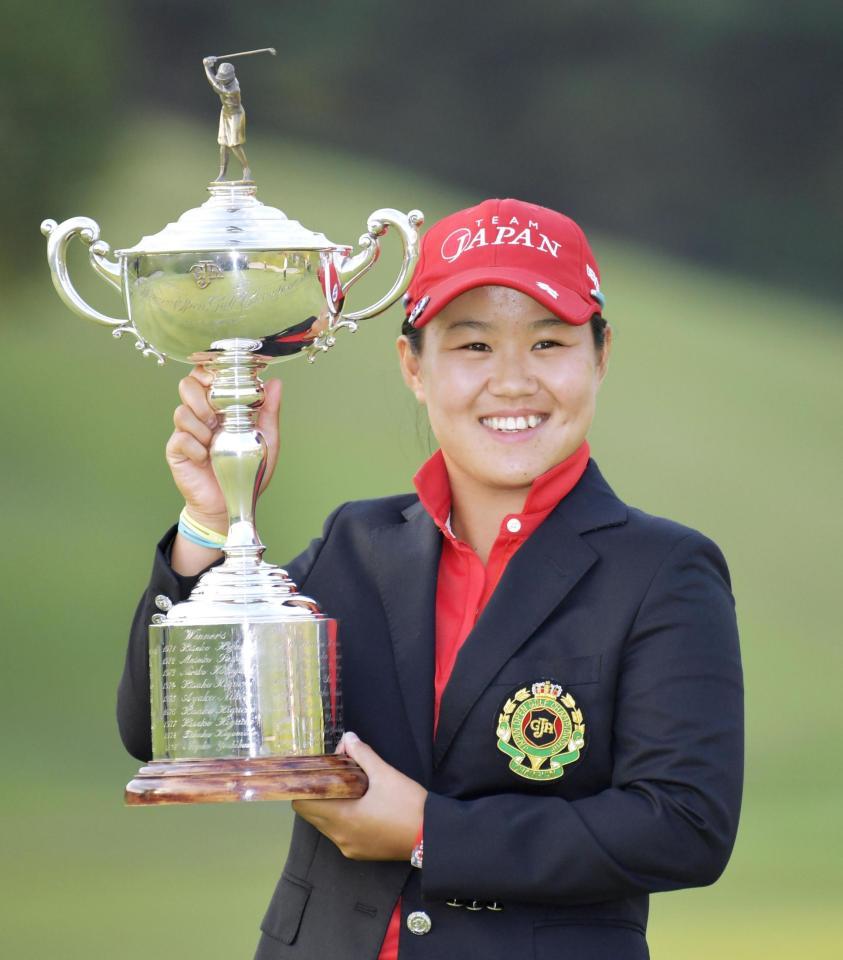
[443, 410]
[576, 389]
[449, 389]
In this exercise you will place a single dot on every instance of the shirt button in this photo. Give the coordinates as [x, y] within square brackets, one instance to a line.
[419, 923]
[513, 524]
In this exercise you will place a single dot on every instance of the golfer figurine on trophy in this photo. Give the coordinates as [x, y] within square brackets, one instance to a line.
[245, 690]
[232, 132]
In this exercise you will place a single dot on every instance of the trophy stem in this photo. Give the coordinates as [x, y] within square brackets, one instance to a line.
[243, 585]
[238, 451]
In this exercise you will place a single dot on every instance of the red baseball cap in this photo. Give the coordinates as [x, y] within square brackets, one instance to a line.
[506, 243]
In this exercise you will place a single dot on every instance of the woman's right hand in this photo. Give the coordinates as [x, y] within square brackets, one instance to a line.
[188, 449]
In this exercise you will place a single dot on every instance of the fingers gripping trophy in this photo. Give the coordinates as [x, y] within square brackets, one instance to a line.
[245, 674]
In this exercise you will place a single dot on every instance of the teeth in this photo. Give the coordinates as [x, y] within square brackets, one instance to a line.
[512, 424]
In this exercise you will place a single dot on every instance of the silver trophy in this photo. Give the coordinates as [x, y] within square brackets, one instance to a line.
[245, 690]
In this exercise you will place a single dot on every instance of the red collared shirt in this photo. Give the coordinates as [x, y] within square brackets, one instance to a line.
[464, 585]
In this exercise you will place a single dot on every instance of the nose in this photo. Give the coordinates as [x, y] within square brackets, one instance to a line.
[511, 376]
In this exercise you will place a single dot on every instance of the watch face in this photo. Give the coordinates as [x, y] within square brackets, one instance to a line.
[417, 855]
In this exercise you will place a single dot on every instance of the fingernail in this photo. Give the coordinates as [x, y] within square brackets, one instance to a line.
[351, 737]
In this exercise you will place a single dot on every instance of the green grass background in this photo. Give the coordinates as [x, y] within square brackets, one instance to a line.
[721, 409]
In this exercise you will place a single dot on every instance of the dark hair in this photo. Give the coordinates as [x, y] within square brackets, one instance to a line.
[415, 335]
[598, 330]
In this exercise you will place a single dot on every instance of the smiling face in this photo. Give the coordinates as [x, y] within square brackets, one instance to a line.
[510, 389]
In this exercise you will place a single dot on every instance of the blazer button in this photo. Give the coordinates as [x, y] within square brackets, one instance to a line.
[419, 923]
[474, 905]
[163, 603]
[455, 903]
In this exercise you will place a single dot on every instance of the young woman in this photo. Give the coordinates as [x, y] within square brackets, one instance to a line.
[543, 684]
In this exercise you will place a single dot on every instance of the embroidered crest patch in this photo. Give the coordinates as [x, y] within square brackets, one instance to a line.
[541, 730]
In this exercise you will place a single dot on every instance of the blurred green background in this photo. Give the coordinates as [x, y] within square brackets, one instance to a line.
[721, 410]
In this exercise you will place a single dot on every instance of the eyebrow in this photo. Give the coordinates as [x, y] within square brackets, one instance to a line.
[472, 324]
[468, 322]
[547, 322]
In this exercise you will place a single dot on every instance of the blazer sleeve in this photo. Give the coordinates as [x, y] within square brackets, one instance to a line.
[133, 708]
[669, 818]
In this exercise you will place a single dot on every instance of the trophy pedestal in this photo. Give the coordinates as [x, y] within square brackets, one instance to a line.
[260, 778]
[248, 709]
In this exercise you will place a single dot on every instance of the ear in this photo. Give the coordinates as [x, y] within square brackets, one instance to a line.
[603, 365]
[410, 368]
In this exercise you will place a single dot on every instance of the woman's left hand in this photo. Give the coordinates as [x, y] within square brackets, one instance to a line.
[384, 823]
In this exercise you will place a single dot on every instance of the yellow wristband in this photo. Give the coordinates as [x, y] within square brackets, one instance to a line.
[189, 524]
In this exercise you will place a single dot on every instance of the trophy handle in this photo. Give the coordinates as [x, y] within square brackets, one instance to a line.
[59, 235]
[350, 269]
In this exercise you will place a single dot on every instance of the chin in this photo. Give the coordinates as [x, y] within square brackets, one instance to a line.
[513, 478]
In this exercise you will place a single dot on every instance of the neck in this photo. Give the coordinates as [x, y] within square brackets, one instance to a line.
[477, 511]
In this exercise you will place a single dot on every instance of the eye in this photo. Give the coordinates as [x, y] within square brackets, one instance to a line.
[547, 344]
[476, 347]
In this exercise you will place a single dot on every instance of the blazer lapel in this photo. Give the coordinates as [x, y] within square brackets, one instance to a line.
[536, 581]
[407, 563]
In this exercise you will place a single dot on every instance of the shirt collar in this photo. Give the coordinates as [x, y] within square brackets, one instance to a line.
[546, 491]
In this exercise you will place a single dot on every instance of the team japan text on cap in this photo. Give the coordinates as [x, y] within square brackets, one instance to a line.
[506, 243]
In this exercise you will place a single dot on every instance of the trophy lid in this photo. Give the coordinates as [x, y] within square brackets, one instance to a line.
[232, 219]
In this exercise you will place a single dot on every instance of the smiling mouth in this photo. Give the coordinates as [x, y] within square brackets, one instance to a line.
[513, 424]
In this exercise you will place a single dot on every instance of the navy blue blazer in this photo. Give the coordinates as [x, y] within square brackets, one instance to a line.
[633, 615]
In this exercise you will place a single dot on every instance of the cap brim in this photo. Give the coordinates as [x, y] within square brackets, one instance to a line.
[560, 301]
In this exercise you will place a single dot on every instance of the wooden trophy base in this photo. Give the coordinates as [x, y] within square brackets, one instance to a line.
[326, 777]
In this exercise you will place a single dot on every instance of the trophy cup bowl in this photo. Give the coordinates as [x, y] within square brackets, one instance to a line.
[244, 675]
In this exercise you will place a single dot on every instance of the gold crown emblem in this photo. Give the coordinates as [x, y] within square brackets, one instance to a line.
[546, 688]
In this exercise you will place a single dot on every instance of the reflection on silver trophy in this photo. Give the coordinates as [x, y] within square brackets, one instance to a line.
[245, 674]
